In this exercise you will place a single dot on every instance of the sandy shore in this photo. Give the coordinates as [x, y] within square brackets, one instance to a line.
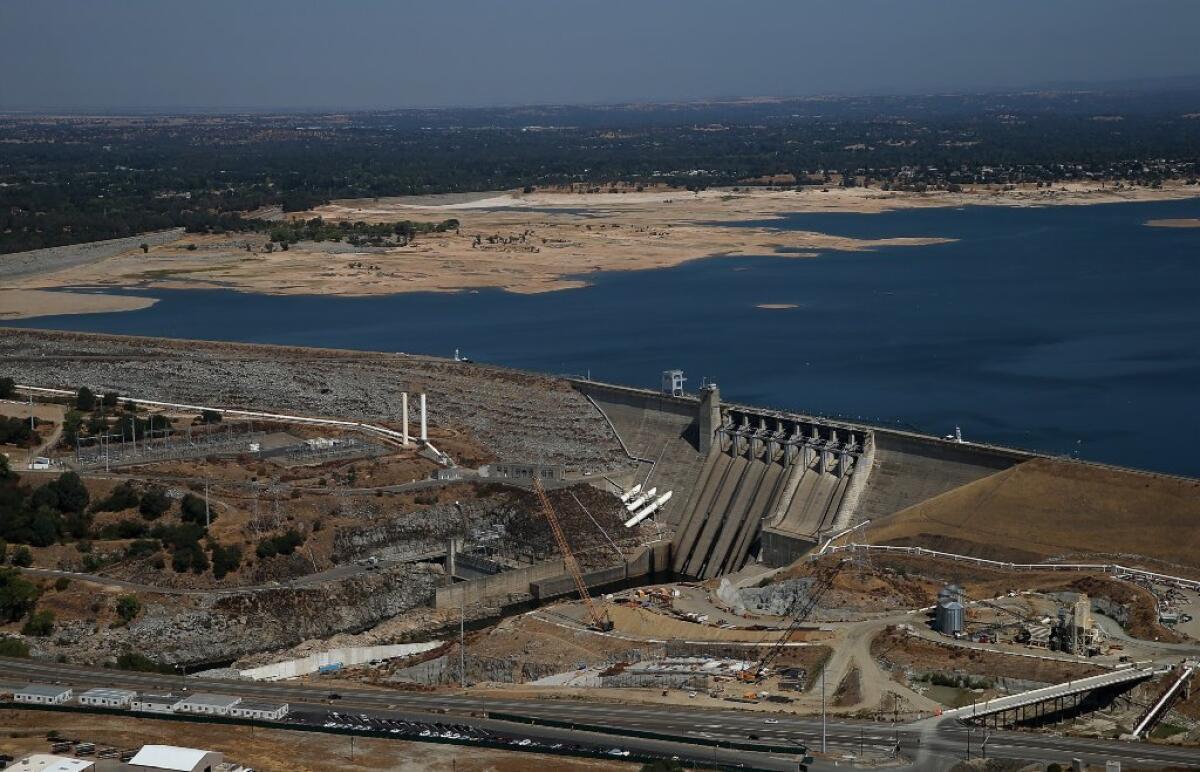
[1184, 222]
[524, 243]
[28, 303]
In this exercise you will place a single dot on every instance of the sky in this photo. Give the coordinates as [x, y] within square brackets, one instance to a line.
[272, 54]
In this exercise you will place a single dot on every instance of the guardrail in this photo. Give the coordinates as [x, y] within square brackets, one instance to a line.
[1108, 568]
[645, 734]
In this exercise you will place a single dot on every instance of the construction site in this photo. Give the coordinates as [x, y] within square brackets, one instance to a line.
[431, 525]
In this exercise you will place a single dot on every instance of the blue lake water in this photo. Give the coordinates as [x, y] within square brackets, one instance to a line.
[1065, 329]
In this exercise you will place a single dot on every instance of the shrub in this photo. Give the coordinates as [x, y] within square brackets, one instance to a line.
[178, 536]
[13, 647]
[124, 496]
[8, 388]
[22, 557]
[284, 544]
[40, 623]
[142, 548]
[128, 608]
[62, 583]
[132, 660]
[17, 595]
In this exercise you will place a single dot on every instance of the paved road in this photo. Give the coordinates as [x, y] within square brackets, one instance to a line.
[929, 745]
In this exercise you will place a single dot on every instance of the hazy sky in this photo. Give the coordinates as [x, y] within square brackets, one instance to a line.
[111, 54]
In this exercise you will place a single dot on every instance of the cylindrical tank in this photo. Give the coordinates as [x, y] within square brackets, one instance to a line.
[951, 618]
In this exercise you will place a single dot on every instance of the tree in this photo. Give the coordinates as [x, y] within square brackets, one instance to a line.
[22, 557]
[72, 423]
[225, 560]
[154, 503]
[72, 493]
[110, 399]
[85, 399]
[8, 388]
[45, 527]
[193, 510]
[210, 417]
[145, 248]
[128, 608]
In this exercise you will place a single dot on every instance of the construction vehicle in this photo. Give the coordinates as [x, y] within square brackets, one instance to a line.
[799, 612]
[600, 620]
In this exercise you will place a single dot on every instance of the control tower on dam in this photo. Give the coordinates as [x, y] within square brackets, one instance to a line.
[752, 484]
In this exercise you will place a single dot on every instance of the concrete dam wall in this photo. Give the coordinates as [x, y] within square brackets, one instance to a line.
[660, 431]
[770, 485]
[757, 484]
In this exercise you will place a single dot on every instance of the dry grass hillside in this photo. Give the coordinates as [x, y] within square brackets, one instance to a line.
[1044, 508]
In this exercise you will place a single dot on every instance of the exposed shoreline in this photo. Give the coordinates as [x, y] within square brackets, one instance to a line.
[521, 243]
[32, 303]
[1179, 222]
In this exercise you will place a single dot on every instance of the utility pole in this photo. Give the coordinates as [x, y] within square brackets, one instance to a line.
[207, 518]
[822, 710]
[462, 645]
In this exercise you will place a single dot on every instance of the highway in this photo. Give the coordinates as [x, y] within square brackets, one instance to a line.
[930, 744]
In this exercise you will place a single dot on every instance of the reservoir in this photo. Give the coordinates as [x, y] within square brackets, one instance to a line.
[1072, 330]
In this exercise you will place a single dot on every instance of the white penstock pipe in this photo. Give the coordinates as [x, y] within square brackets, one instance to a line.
[649, 510]
[640, 500]
[628, 495]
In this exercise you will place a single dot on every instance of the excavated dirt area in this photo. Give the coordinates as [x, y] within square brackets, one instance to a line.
[275, 750]
[896, 650]
[518, 416]
[1055, 509]
[527, 639]
[867, 587]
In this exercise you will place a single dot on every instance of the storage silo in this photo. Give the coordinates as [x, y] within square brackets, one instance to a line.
[950, 618]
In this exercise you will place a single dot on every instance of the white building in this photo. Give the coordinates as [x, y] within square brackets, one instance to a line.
[48, 762]
[208, 704]
[172, 758]
[43, 694]
[261, 711]
[155, 703]
[107, 698]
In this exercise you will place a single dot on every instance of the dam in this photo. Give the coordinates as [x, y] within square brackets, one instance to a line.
[752, 484]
